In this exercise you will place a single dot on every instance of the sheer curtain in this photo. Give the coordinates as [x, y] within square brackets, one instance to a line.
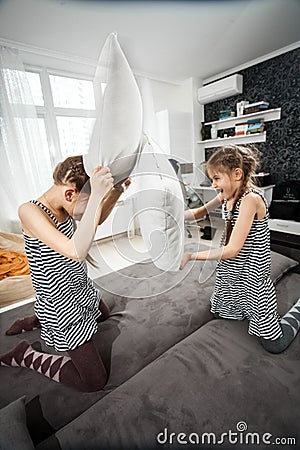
[25, 169]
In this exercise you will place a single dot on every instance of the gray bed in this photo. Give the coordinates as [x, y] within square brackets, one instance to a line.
[171, 367]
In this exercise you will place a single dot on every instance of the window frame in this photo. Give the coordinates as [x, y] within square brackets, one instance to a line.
[49, 112]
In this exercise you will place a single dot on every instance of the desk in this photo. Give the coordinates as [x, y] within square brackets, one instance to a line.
[285, 237]
[207, 193]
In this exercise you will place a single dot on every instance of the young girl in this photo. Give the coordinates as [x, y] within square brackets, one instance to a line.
[243, 286]
[67, 305]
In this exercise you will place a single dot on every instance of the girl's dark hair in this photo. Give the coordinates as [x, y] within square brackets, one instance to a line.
[71, 170]
[232, 157]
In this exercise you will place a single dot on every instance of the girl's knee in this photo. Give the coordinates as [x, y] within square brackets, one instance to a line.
[216, 316]
[95, 384]
[104, 311]
[280, 344]
[274, 346]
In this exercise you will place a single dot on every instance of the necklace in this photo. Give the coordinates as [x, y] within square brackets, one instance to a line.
[228, 202]
[230, 211]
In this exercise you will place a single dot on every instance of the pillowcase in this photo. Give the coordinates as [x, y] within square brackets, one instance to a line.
[160, 207]
[14, 433]
[117, 132]
[280, 265]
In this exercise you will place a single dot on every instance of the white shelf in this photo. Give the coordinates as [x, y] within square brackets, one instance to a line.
[285, 226]
[268, 115]
[243, 139]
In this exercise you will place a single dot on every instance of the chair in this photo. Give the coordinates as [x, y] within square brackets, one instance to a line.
[191, 199]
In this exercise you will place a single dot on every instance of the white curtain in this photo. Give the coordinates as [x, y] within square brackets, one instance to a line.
[25, 169]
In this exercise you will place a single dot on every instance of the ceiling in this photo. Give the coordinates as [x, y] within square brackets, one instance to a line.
[169, 40]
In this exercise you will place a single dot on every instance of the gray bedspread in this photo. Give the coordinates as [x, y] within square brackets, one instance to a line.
[159, 343]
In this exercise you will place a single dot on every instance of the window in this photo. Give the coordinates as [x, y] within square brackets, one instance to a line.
[36, 88]
[66, 110]
[72, 93]
[74, 134]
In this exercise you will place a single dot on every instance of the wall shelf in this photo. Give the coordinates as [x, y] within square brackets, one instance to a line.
[231, 122]
[243, 139]
[268, 115]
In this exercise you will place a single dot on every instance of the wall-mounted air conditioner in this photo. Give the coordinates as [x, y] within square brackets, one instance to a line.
[221, 89]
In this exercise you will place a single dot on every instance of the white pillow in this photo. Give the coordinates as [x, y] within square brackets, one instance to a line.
[118, 128]
[160, 207]
[117, 142]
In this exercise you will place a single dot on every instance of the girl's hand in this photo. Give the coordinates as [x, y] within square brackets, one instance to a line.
[101, 181]
[185, 259]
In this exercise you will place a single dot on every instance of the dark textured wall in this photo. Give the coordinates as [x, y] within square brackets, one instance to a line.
[276, 81]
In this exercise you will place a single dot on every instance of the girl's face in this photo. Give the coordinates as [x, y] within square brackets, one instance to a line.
[225, 182]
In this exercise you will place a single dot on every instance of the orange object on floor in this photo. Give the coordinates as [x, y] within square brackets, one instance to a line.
[13, 264]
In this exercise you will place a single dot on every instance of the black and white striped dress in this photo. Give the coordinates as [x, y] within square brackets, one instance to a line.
[66, 300]
[243, 286]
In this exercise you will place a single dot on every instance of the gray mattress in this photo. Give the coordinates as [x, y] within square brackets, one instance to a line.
[147, 319]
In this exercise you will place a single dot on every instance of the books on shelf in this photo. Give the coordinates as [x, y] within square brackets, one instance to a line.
[226, 114]
[255, 107]
[241, 129]
[256, 128]
[249, 127]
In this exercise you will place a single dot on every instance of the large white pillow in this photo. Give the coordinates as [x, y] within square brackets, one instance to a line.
[118, 127]
[117, 142]
[159, 207]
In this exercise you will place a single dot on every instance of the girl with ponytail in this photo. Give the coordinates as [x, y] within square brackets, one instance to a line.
[243, 288]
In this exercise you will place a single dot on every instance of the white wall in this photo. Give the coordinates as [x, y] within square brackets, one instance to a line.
[180, 100]
[173, 97]
[175, 134]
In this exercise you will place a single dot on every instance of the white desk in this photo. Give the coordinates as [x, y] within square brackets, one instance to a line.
[285, 226]
[207, 193]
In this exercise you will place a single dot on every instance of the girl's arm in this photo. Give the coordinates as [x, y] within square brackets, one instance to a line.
[109, 202]
[199, 213]
[248, 209]
[40, 226]
[111, 199]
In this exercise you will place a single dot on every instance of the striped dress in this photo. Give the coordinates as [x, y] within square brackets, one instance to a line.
[243, 287]
[66, 300]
